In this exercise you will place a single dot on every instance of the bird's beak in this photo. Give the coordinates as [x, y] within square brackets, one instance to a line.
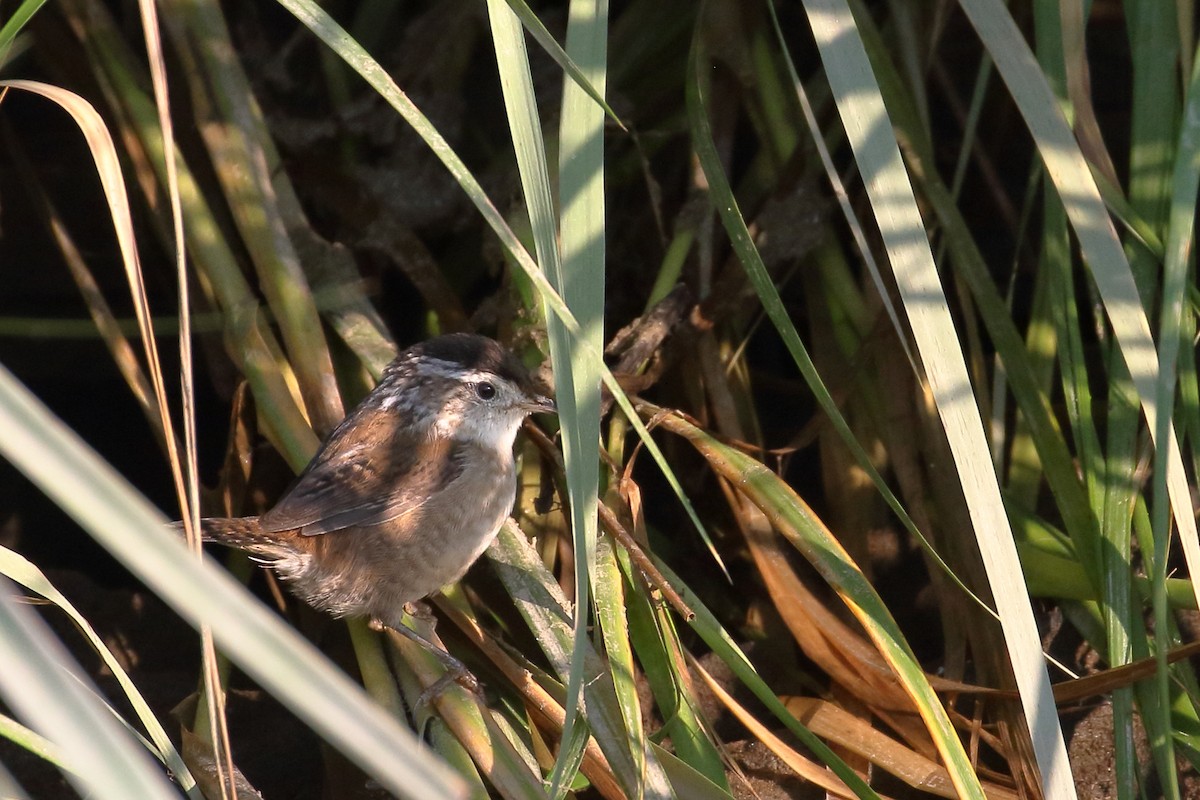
[541, 404]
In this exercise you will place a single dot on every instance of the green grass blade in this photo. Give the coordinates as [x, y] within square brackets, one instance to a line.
[581, 236]
[612, 614]
[578, 393]
[716, 637]
[878, 158]
[17, 568]
[727, 206]
[1096, 234]
[15, 23]
[583, 81]
[36, 744]
[793, 519]
[544, 608]
[122, 521]
[43, 684]
[1179, 218]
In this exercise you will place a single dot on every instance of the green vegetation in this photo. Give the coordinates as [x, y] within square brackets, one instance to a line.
[906, 366]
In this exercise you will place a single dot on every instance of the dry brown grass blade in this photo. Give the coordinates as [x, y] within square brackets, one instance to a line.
[805, 768]
[824, 638]
[830, 722]
[846, 656]
[1097, 684]
[122, 351]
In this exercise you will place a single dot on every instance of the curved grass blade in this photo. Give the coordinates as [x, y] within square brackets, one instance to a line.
[709, 629]
[43, 684]
[17, 568]
[275, 656]
[877, 155]
[1097, 237]
[739, 235]
[793, 519]
[542, 36]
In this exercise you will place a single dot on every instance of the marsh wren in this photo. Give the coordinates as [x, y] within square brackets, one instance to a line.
[407, 492]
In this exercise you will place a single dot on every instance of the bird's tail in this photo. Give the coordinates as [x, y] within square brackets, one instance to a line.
[244, 533]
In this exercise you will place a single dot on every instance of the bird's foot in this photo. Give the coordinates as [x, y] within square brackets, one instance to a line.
[421, 611]
[456, 671]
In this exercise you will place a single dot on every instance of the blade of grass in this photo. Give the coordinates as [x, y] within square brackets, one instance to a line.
[868, 129]
[43, 684]
[793, 519]
[541, 603]
[581, 79]
[184, 466]
[726, 204]
[19, 569]
[248, 335]
[34, 743]
[578, 400]
[13, 25]
[1097, 239]
[716, 637]
[230, 121]
[1180, 237]
[274, 655]
[972, 268]
[579, 279]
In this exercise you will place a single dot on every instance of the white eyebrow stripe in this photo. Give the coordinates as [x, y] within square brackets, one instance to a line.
[451, 369]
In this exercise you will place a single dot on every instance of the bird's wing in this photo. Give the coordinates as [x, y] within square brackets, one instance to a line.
[370, 471]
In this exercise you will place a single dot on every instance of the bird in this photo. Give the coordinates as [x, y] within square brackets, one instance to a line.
[407, 492]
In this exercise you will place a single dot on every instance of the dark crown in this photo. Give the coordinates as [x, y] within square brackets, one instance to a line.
[469, 351]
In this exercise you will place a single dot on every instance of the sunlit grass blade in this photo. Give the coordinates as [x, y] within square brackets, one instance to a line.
[612, 614]
[34, 743]
[1097, 239]
[248, 335]
[578, 392]
[839, 190]
[580, 281]
[739, 234]
[542, 605]
[274, 655]
[887, 185]
[20, 570]
[792, 518]
[561, 57]
[1023, 371]
[1115, 281]
[471, 725]
[42, 683]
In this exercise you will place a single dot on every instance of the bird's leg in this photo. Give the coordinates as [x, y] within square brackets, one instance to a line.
[456, 671]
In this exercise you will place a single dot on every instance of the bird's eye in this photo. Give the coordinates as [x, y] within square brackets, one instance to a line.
[485, 390]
